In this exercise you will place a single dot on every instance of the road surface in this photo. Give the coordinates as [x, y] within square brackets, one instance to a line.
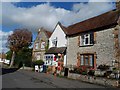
[29, 79]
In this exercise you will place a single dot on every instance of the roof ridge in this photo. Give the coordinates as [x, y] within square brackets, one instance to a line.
[93, 17]
[105, 19]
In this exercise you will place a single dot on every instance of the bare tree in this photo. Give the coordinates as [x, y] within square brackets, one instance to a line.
[20, 39]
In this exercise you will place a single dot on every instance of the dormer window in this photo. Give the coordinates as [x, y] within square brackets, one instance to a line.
[87, 39]
[54, 42]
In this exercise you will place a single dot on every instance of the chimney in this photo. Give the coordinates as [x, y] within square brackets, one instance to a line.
[118, 4]
[118, 9]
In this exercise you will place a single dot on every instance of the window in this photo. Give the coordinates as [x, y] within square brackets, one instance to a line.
[42, 45]
[86, 39]
[54, 42]
[87, 60]
[36, 46]
[38, 57]
[49, 59]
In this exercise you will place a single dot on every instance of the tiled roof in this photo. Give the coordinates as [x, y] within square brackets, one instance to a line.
[99, 22]
[63, 27]
[56, 50]
[48, 33]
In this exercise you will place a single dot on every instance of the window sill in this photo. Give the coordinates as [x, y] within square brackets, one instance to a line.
[86, 45]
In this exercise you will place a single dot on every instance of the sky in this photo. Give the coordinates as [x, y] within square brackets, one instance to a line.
[34, 15]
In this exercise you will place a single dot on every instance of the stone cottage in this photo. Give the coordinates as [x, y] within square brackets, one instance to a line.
[41, 44]
[94, 41]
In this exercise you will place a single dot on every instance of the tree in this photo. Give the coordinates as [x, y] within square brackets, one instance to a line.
[9, 55]
[23, 56]
[21, 38]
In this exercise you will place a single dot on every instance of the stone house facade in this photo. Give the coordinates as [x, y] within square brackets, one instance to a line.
[94, 41]
[41, 44]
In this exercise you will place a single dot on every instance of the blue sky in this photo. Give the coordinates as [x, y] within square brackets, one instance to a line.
[34, 15]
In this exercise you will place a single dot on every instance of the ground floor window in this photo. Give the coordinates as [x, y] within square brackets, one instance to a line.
[87, 60]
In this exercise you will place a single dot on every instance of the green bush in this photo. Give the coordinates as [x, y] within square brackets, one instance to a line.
[84, 73]
[103, 67]
[91, 72]
[107, 73]
[37, 62]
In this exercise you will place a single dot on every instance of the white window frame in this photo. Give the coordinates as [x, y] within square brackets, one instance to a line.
[43, 45]
[83, 38]
[54, 42]
[36, 45]
[49, 58]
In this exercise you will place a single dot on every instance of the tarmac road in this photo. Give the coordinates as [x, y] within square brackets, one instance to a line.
[29, 79]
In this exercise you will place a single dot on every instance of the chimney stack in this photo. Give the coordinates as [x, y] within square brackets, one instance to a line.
[118, 8]
[118, 4]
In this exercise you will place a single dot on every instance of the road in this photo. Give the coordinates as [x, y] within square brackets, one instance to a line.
[29, 79]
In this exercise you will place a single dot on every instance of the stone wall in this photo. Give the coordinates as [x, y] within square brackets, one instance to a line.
[41, 37]
[104, 48]
[96, 80]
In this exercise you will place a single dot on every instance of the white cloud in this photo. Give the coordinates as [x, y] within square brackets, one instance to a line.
[102, 0]
[3, 40]
[58, 0]
[84, 11]
[5, 33]
[11, 0]
[45, 15]
[42, 15]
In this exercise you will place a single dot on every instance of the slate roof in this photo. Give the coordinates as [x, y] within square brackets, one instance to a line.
[56, 50]
[103, 21]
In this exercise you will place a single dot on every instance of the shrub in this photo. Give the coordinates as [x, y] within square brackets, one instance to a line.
[91, 72]
[107, 73]
[37, 62]
[79, 70]
[84, 73]
[103, 67]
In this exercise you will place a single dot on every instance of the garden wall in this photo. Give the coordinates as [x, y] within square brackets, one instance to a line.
[95, 80]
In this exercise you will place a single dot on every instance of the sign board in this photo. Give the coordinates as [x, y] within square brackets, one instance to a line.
[36, 68]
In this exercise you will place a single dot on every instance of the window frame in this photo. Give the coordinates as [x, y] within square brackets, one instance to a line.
[84, 37]
[89, 60]
[36, 45]
[42, 45]
[54, 42]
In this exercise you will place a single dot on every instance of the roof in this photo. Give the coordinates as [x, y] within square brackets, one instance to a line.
[48, 33]
[63, 27]
[105, 20]
[56, 50]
